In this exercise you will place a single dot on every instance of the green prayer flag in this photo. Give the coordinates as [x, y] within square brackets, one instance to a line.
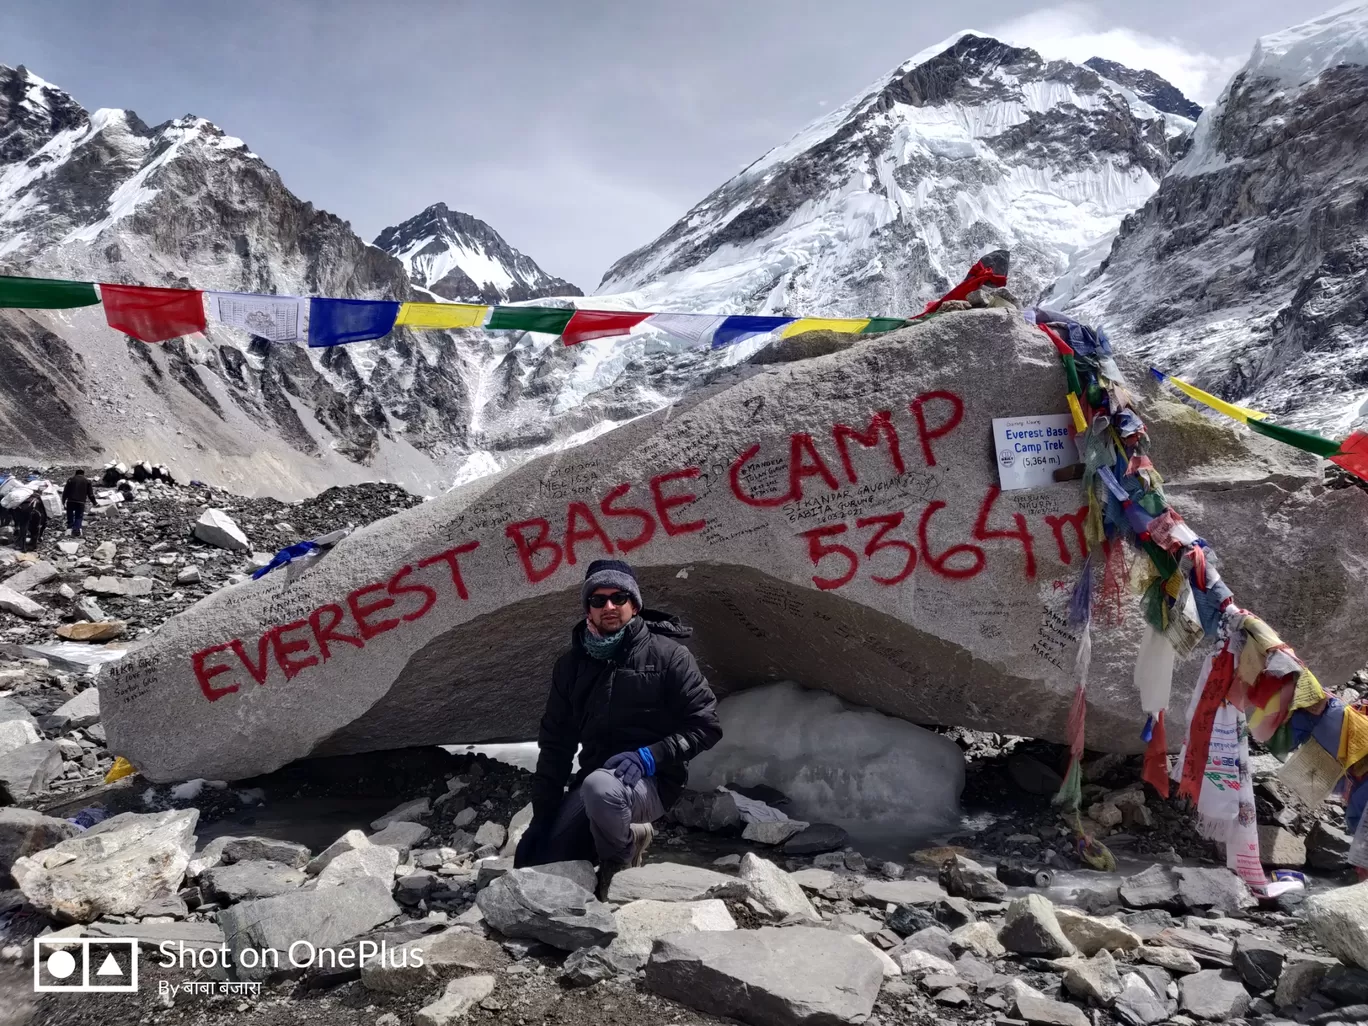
[1303, 440]
[882, 324]
[1071, 373]
[1163, 562]
[45, 293]
[548, 319]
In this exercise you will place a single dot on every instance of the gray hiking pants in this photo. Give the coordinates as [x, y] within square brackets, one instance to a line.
[610, 808]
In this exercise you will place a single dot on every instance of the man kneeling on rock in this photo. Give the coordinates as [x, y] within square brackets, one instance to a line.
[635, 700]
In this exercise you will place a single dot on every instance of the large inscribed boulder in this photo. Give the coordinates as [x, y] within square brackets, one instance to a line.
[835, 521]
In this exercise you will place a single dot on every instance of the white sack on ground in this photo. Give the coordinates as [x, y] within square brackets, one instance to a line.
[839, 763]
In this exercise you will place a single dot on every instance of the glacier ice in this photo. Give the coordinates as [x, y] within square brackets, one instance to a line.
[876, 775]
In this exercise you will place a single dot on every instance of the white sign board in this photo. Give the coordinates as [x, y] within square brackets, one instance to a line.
[1031, 449]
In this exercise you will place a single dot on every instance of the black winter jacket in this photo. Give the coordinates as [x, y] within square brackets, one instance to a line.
[78, 489]
[651, 694]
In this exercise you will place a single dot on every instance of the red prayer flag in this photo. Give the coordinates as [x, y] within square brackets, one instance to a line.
[151, 314]
[1353, 454]
[1156, 758]
[1217, 686]
[590, 324]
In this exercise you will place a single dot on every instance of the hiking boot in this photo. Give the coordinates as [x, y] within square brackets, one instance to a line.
[606, 872]
[642, 836]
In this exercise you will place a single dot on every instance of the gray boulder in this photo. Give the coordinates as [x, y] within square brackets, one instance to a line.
[665, 881]
[36, 573]
[29, 770]
[817, 838]
[1031, 928]
[1259, 962]
[246, 881]
[459, 998]
[421, 962]
[81, 711]
[1203, 888]
[1216, 995]
[1035, 1008]
[1327, 847]
[377, 860]
[641, 923]
[16, 734]
[1155, 887]
[114, 868]
[349, 841]
[215, 527]
[1091, 934]
[325, 918]
[1095, 979]
[1138, 1004]
[401, 836]
[1211, 951]
[20, 605]
[1339, 919]
[24, 832]
[546, 907]
[770, 976]
[265, 849]
[773, 889]
[962, 877]
[714, 811]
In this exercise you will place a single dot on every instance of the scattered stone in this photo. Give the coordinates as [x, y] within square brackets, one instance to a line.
[814, 879]
[891, 870]
[530, 903]
[914, 960]
[1155, 887]
[1259, 962]
[18, 733]
[69, 548]
[728, 861]
[517, 826]
[247, 881]
[92, 632]
[664, 881]
[954, 997]
[963, 877]
[420, 962]
[35, 574]
[1217, 888]
[403, 836]
[952, 913]
[979, 938]
[325, 918]
[1345, 985]
[379, 861]
[1036, 1008]
[1175, 960]
[105, 552]
[641, 923]
[1280, 848]
[770, 976]
[188, 575]
[408, 812]
[587, 966]
[90, 609]
[714, 811]
[81, 711]
[1216, 995]
[1137, 1004]
[906, 919]
[775, 891]
[267, 849]
[857, 923]
[113, 868]
[1031, 928]
[126, 587]
[1091, 934]
[459, 998]
[1339, 919]
[29, 770]
[1327, 847]
[490, 833]
[24, 832]
[415, 887]
[773, 832]
[818, 837]
[1094, 979]
[934, 940]
[20, 605]
[464, 818]
[349, 841]
[901, 892]
[215, 527]
[1299, 980]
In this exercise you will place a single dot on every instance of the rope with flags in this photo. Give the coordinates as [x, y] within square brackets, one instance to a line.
[152, 314]
[1351, 454]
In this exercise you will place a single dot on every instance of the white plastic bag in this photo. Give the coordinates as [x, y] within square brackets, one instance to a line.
[52, 501]
[1154, 671]
[15, 496]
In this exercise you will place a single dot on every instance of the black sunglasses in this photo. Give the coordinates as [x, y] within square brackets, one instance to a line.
[617, 598]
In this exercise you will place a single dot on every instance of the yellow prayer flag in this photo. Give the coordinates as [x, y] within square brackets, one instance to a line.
[441, 315]
[1241, 413]
[1353, 746]
[121, 768]
[1080, 424]
[845, 325]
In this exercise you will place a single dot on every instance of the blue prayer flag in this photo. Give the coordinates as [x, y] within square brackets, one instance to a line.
[334, 322]
[734, 329]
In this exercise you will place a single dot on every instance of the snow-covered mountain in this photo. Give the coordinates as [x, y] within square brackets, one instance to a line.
[970, 146]
[1157, 91]
[460, 257]
[1246, 271]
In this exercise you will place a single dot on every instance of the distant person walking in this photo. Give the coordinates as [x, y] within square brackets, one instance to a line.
[634, 703]
[78, 491]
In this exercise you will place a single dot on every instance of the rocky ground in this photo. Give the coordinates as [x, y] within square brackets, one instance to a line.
[997, 923]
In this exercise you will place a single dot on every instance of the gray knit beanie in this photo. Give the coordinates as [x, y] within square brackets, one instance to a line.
[610, 573]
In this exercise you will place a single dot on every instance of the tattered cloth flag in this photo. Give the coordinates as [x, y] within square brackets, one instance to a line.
[274, 318]
[1353, 454]
[841, 325]
[335, 322]
[549, 320]
[587, 325]
[1218, 673]
[45, 293]
[981, 274]
[736, 328]
[696, 329]
[152, 314]
[441, 315]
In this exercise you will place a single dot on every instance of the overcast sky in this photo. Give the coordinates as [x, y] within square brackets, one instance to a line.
[580, 129]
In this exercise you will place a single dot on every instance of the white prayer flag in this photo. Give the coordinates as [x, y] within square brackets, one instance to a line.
[275, 318]
[696, 329]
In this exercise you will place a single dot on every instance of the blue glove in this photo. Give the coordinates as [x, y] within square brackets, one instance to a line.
[630, 767]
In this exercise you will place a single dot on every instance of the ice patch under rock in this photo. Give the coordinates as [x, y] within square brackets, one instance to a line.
[875, 775]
